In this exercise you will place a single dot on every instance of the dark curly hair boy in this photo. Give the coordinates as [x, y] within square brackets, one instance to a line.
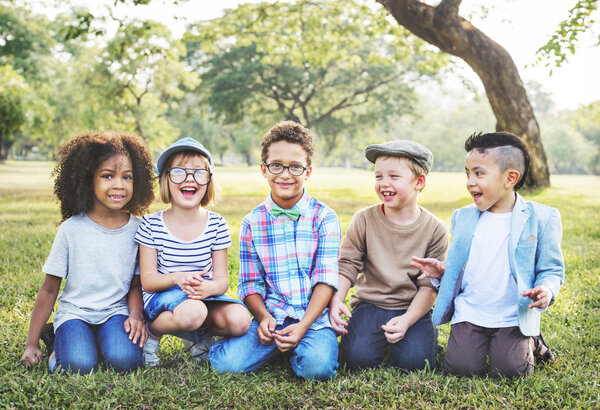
[79, 158]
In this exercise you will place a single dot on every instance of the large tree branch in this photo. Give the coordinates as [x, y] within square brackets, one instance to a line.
[443, 27]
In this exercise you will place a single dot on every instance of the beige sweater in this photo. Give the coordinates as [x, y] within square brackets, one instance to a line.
[376, 253]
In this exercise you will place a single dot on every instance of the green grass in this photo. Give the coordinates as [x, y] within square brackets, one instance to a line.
[28, 222]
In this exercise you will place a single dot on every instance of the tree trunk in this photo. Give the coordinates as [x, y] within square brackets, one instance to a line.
[444, 28]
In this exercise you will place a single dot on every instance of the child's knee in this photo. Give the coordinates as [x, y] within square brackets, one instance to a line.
[190, 316]
[238, 323]
[223, 360]
[315, 367]
[126, 360]
[81, 365]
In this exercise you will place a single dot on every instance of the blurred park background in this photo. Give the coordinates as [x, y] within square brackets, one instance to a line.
[224, 72]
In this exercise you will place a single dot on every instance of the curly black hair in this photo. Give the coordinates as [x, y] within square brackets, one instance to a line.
[79, 158]
[291, 132]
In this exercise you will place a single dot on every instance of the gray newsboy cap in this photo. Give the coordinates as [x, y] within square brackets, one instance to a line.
[184, 144]
[402, 148]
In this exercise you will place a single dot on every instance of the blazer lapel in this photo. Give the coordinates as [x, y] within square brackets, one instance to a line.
[517, 223]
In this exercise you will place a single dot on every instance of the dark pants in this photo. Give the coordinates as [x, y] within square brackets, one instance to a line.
[364, 345]
[469, 345]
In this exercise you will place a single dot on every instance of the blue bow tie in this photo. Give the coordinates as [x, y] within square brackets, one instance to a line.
[291, 213]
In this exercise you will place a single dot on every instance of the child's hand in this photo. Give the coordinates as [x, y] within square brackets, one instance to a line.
[336, 309]
[540, 297]
[289, 337]
[431, 268]
[136, 329]
[186, 280]
[32, 355]
[265, 330]
[396, 328]
[200, 289]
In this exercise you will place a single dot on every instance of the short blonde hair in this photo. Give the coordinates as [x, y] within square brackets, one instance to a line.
[163, 180]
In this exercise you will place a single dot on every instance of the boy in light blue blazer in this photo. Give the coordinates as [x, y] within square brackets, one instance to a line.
[504, 266]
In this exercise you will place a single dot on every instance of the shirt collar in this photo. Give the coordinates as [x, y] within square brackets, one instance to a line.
[301, 206]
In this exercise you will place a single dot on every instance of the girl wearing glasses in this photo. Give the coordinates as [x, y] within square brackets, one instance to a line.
[183, 257]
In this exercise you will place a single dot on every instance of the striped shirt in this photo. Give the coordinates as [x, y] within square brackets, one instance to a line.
[175, 255]
[283, 260]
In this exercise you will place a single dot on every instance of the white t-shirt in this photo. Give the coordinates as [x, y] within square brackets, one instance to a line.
[175, 255]
[98, 265]
[488, 294]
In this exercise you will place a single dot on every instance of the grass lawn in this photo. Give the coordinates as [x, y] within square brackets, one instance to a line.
[28, 222]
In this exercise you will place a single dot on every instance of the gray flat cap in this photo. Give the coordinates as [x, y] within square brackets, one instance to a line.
[402, 148]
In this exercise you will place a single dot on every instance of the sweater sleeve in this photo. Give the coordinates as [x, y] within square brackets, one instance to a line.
[353, 249]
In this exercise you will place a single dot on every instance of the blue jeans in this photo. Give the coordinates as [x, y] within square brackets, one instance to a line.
[364, 345]
[169, 299]
[315, 357]
[79, 346]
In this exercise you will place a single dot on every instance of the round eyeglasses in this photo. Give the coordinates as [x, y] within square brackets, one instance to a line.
[276, 168]
[177, 175]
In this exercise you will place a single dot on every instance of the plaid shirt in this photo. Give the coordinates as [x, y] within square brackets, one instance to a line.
[283, 260]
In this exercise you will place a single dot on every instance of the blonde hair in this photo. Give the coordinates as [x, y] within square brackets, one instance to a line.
[163, 180]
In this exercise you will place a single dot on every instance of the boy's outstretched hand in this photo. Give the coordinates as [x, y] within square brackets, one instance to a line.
[431, 268]
[336, 309]
[540, 297]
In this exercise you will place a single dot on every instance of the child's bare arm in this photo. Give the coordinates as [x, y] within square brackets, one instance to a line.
[267, 323]
[289, 337]
[44, 303]
[152, 281]
[431, 268]
[337, 308]
[134, 325]
[200, 289]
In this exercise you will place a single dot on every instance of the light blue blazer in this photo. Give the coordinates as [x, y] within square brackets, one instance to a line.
[534, 253]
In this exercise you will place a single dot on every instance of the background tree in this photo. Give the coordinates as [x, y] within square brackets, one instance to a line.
[13, 88]
[140, 72]
[443, 27]
[337, 68]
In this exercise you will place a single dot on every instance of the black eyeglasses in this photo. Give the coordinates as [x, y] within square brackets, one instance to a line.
[177, 175]
[276, 168]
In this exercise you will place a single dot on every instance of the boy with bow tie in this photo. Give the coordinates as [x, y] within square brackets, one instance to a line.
[289, 247]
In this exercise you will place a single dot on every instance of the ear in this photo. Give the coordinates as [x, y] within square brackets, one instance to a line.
[308, 172]
[421, 180]
[512, 177]
[263, 169]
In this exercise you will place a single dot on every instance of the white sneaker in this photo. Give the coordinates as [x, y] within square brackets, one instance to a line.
[200, 350]
[151, 352]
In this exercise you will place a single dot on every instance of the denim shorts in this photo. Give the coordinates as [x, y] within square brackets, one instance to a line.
[170, 299]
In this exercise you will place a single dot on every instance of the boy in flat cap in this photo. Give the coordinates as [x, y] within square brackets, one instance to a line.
[391, 307]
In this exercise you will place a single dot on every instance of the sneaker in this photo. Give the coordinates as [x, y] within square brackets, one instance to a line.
[47, 336]
[151, 352]
[200, 350]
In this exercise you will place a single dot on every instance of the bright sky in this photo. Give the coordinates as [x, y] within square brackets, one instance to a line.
[520, 26]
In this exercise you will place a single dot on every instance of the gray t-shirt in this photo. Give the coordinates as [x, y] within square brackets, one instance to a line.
[98, 264]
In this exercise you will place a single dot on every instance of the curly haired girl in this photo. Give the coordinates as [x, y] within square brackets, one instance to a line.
[101, 179]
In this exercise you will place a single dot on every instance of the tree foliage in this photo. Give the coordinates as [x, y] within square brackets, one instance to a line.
[336, 68]
[582, 16]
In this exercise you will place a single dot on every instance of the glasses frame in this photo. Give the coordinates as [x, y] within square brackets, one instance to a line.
[284, 167]
[193, 174]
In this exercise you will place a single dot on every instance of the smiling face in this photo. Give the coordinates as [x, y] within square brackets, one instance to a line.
[188, 194]
[113, 184]
[395, 183]
[491, 188]
[286, 189]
